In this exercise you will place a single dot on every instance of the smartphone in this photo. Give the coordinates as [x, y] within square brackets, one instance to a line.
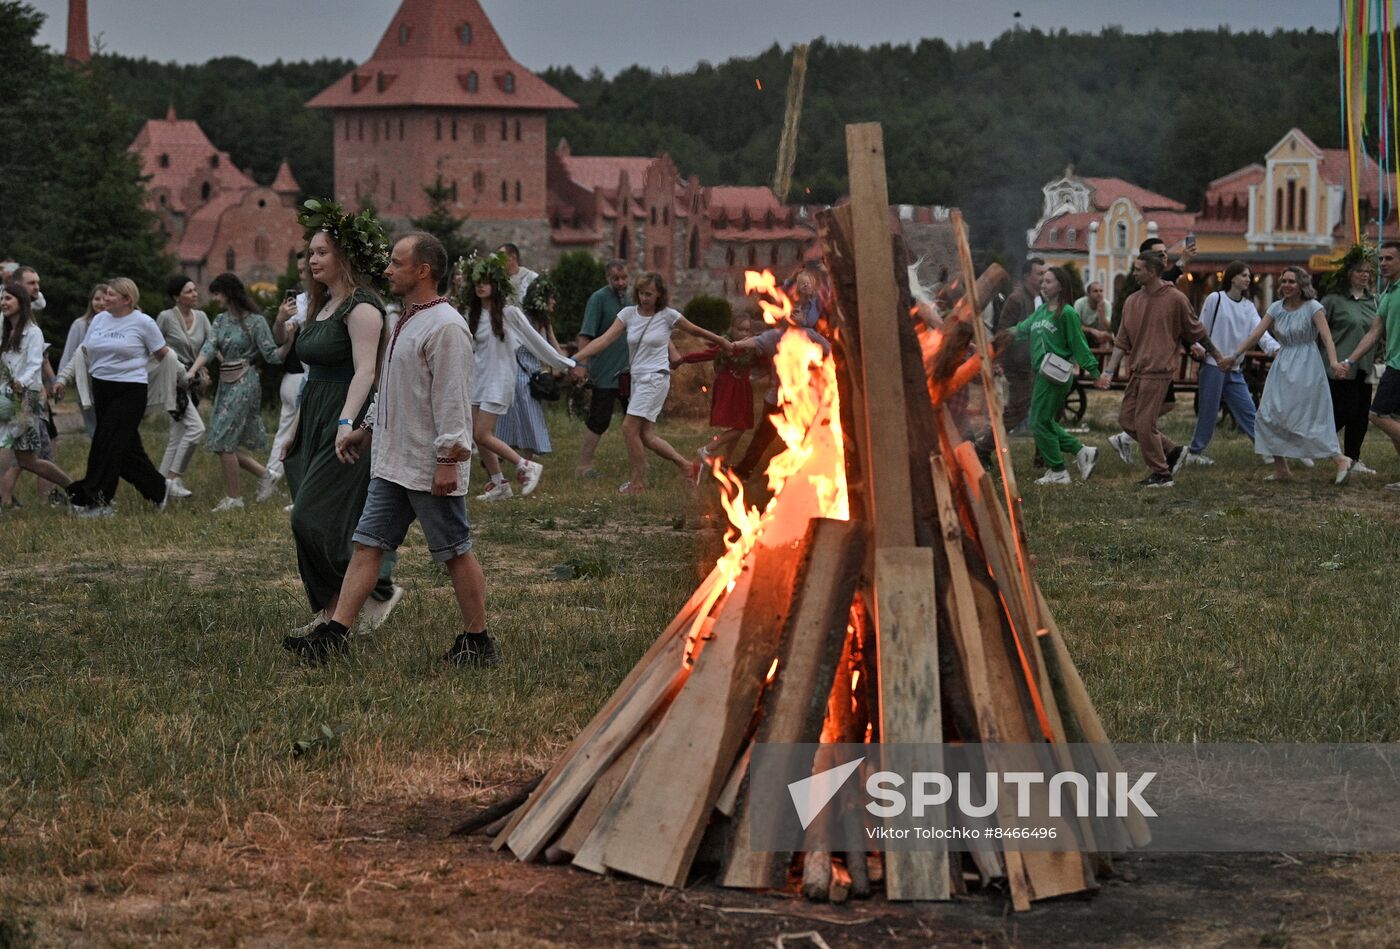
[1190, 241]
[290, 296]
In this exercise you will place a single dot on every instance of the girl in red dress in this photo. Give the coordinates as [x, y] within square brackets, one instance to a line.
[731, 396]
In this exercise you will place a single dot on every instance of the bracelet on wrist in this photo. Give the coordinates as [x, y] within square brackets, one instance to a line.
[447, 461]
[345, 421]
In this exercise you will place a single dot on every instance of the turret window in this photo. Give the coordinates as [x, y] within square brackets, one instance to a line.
[464, 33]
[404, 32]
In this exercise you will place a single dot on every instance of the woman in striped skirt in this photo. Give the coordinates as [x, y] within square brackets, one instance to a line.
[523, 426]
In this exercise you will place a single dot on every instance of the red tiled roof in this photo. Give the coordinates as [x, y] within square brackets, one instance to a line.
[188, 151]
[1335, 169]
[1238, 180]
[198, 239]
[597, 172]
[1108, 190]
[285, 182]
[1061, 225]
[426, 58]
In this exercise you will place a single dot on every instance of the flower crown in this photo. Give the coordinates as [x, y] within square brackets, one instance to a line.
[1339, 279]
[474, 269]
[360, 237]
[542, 290]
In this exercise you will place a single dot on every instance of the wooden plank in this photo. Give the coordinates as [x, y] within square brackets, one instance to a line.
[794, 705]
[1003, 451]
[586, 818]
[878, 302]
[1087, 716]
[664, 804]
[909, 702]
[679, 625]
[616, 727]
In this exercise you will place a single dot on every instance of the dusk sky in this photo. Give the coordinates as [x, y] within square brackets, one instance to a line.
[613, 34]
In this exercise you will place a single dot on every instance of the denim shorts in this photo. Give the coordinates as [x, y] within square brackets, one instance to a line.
[391, 508]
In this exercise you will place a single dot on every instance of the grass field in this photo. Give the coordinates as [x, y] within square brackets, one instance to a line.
[167, 773]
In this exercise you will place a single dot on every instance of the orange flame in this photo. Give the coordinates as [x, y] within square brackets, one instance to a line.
[809, 475]
[777, 308]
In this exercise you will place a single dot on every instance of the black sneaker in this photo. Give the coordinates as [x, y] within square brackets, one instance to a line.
[1156, 480]
[473, 649]
[320, 644]
[1176, 459]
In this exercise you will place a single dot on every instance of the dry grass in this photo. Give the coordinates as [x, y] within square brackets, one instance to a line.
[150, 793]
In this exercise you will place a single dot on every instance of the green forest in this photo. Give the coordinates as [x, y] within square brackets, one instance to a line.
[981, 126]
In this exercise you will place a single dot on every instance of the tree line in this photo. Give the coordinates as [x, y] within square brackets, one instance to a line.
[981, 126]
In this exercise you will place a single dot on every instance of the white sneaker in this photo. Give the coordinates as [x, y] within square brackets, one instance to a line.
[288, 508]
[1085, 459]
[1306, 462]
[1198, 458]
[227, 504]
[528, 473]
[267, 486]
[375, 612]
[1056, 477]
[1393, 486]
[1359, 467]
[105, 510]
[316, 620]
[1124, 445]
[176, 490]
[499, 491]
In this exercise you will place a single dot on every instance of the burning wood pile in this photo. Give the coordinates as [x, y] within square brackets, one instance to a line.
[883, 594]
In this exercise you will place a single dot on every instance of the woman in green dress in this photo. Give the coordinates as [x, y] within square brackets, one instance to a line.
[339, 346]
[239, 337]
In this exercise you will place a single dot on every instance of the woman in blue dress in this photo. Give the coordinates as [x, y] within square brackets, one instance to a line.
[1295, 414]
[523, 426]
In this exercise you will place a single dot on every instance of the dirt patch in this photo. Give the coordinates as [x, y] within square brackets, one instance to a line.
[390, 873]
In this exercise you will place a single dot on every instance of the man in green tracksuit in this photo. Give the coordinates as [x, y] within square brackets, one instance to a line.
[1055, 328]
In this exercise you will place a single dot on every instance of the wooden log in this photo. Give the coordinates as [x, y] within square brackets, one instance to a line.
[909, 702]
[816, 876]
[636, 686]
[499, 809]
[795, 704]
[878, 301]
[1003, 451]
[661, 810]
[840, 889]
[858, 865]
[728, 801]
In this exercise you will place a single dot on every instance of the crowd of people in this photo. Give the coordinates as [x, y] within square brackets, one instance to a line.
[385, 407]
[1311, 395]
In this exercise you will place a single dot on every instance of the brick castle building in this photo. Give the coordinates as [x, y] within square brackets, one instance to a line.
[442, 97]
[216, 218]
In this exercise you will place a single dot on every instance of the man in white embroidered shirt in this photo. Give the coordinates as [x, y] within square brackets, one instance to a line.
[421, 443]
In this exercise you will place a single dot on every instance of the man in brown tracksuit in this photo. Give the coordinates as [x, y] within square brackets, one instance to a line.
[1156, 320]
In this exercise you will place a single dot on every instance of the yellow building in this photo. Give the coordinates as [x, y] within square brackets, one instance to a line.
[1097, 224]
[1293, 208]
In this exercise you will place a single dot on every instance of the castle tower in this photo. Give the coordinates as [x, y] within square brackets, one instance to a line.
[79, 43]
[442, 96]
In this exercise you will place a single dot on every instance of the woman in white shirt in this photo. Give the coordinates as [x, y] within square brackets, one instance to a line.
[21, 401]
[498, 329]
[648, 326]
[120, 341]
[1229, 316]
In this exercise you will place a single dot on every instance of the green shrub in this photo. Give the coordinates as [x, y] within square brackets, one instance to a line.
[712, 313]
